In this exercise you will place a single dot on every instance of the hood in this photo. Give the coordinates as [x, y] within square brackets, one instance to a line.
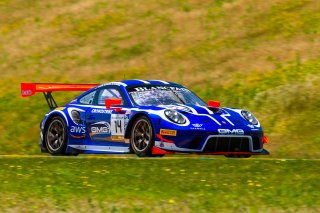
[218, 117]
[211, 118]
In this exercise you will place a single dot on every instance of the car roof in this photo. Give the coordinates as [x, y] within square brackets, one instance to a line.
[138, 82]
[133, 82]
[147, 82]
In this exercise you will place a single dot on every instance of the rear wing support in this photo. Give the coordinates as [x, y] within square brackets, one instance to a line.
[29, 89]
[50, 100]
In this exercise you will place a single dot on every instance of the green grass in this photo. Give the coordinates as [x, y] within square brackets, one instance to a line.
[259, 55]
[130, 184]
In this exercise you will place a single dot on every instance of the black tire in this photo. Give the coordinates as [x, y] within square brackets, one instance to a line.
[71, 154]
[238, 156]
[142, 138]
[55, 136]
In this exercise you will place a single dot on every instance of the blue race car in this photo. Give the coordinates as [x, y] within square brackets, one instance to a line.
[148, 118]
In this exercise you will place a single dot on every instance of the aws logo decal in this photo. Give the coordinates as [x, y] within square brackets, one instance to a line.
[78, 129]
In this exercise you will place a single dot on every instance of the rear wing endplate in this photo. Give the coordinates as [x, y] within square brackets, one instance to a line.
[29, 89]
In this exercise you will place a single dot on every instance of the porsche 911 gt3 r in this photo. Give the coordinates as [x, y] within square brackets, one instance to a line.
[148, 118]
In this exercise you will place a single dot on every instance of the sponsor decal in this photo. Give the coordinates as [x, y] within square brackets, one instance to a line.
[102, 111]
[77, 137]
[148, 88]
[100, 128]
[231, 132]
[26, 92]
[168, 132]
[197, 125]
[78, 129]
[59, 108]
[117, 137]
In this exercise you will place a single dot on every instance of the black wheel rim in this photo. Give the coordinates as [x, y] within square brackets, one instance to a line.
[141, 135]
[55, 135]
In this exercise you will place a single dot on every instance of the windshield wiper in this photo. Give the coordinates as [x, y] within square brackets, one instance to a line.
[176, 94]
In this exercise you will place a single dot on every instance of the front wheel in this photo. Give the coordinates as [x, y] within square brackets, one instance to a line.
[56, 136]
[238, 156]
[141, 139]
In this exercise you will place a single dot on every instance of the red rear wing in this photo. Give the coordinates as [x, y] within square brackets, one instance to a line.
[29, 89]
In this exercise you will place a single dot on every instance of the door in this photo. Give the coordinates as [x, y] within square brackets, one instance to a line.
[106, 125]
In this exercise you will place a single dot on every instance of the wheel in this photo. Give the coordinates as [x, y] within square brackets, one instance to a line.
[141, 139]
[56, 136]
[238, 156]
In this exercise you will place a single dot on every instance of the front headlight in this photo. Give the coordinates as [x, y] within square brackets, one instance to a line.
[175, 116]
[249, 117]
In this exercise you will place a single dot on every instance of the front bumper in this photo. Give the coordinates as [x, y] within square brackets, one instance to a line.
[217, 144]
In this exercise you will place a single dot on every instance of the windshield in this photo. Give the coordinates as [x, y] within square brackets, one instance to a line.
[162, 95]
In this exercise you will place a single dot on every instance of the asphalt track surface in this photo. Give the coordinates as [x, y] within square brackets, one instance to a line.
[154, 158]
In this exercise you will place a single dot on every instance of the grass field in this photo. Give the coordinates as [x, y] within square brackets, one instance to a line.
[169, 184]
[259, 55]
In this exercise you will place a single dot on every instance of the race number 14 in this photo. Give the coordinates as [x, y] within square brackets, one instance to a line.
[117, 124]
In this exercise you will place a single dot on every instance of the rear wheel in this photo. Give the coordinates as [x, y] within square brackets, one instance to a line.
[141, 139]
[56, 136]
[238, 156]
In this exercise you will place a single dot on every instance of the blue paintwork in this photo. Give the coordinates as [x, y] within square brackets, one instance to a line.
[202, 123]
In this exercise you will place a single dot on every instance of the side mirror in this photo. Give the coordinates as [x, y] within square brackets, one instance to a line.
[113, 102]
[214, 104]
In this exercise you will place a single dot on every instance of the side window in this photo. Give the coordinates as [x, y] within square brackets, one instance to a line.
[88, 99]
[108, 93]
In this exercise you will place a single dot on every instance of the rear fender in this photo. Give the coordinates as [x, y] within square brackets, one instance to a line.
[44, 124]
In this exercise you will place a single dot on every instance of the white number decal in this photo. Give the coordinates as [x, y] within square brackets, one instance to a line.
[118, 124]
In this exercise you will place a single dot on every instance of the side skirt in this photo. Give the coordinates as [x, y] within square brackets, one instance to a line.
[93, 149]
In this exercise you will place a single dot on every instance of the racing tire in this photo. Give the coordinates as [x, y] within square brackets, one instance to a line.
[55, 136]
[142, 138]
[238, 156]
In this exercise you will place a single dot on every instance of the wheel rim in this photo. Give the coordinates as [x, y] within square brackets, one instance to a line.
[141, 135]
[55, 135]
